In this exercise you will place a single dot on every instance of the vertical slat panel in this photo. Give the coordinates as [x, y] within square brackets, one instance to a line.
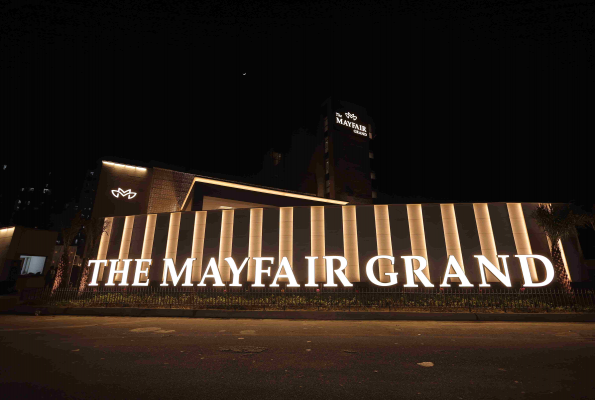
[366, 234]
[486, 237]
[435, 244]
[504, 238]
[173, 232]
[198, 243]
[350, 247]
[114, 243]
[225, 244]
[451, 235]
[417, 234]
[255, 240]
[270, 240]
[383, 241]
[285, 237]
[317, 240]
[136, 243]
[400, 237]
[537, 237]
[241, 240]
[520, 234]
[185, 239]
[469, 240]
[159, 248]
[212, 239]
[301, 243]
[124, 245]
[149, 237]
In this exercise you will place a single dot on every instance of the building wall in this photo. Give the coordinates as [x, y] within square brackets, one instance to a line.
[17, 241]
[115, 176]
[358, 233]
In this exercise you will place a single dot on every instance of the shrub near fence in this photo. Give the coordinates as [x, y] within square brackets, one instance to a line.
[323, 299]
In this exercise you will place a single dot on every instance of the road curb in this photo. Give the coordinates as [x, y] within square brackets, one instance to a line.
[311, 315]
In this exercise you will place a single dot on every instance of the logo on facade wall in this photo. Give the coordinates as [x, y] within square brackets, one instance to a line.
[349, 120]
[124, 193]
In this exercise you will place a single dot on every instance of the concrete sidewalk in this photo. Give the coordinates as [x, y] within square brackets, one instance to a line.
[304, 315]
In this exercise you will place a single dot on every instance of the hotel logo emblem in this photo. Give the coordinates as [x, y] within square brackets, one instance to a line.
[124, 193]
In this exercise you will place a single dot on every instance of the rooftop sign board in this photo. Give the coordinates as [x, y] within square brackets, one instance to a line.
[352, 122]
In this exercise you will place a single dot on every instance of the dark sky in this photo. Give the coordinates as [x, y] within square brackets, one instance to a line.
[473, 100]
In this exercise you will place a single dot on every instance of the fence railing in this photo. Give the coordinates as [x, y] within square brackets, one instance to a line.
[352, 299]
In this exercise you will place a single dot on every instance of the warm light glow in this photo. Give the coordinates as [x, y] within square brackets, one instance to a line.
[317, 240]
[286, 236]
[451, 234]
[254, 241]
[171, 248]
[123, 165]
[263, 190]
[147, 250]
[125, 244]
[383, 243]
[225, 243]
[198, 243]
[520, 234]
[350, 248]
[486, 236]
[104, 244]
[418, 237]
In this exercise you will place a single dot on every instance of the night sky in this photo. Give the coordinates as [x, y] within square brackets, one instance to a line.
[473, 100]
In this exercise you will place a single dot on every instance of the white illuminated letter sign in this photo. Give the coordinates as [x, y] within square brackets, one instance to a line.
[139, 271]
[235, 270]
[370, 271]
[97, 264]
[284, 266]
[410, 271]
[549, 270]
[113, 271]
[458, 273]
[171, 268]
[214, 274]
[330, 272]
[260, 271]
[502, 277]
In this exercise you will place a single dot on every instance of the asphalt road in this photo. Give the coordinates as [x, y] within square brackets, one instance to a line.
[159, 358]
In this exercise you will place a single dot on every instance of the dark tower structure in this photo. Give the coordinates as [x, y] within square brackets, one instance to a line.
[344, 157]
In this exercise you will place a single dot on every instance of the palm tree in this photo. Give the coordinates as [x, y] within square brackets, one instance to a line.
[559, 221]
[94, 229]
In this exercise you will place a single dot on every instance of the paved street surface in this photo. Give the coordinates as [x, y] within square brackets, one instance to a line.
[48, 357]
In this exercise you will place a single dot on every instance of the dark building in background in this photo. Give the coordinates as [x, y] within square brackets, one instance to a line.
[34, 202]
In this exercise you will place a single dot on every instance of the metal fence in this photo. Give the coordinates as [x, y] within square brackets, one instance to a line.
[323, 299]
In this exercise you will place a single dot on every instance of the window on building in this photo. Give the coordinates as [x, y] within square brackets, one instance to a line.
[326, 145]
[371, 154]
[374, 194]
[32, 264]
[327, 166]
[370, 130]
[328, 186]
[31, 189]
[325, 124]
[373, 175]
